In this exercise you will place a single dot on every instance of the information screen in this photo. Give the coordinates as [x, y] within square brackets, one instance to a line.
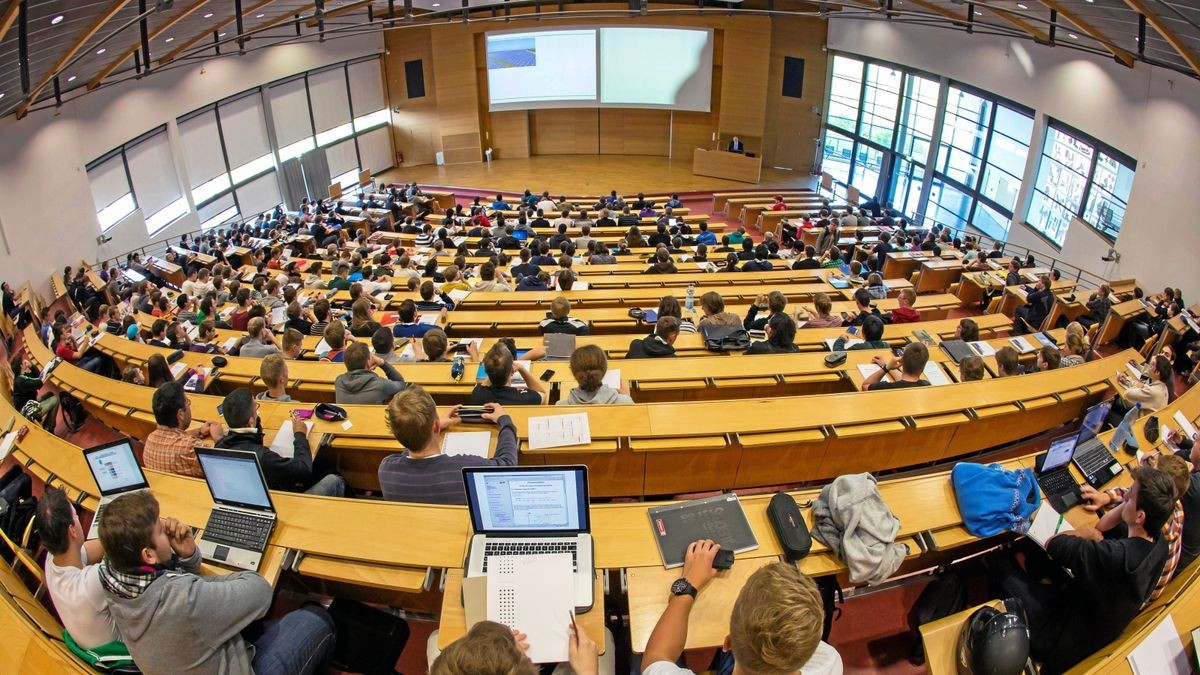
[620, 67]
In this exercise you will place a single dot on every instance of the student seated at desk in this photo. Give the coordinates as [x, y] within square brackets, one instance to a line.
[491, 279]
[27, 382]
[1098, 303]
[1112, 574]
[360, 383]
[490, 647]
[1153, 395]
[775, 626]
[863, 309]
[73, 572]
[967, 330]
[908, 367]
[274, 375]
[872, 336]
[714, 311]
[759, 263]
[781, 336]
[1008, 362]
[422, 474]
[335, 337]
[588, 365]
[661, 263]
[560, 320]
[408, 324]
[536, 282]
[905, 312]
[1048, 358]
[775, 302]
[500, 366]
[361, 322]
[171, 447]
[660, 343]
[809, 261]
[157, 371]
[259, 341]
[970, 369]
[668, 305]
[151, 576]
[1038, 303]
[705, 236]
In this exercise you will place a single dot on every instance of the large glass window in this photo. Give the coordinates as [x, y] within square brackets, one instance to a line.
[845, 93]
[1079, 177]
[111, 194]
[981, 160]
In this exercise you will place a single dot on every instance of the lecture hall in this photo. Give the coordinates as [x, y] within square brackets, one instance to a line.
[758, 337]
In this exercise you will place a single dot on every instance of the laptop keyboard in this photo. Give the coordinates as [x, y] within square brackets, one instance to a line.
[491, 548]
[1057, 483]
[241, 530]
[1093, 459]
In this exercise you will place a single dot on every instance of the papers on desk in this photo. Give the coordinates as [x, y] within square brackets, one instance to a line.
[706, 266]
[1022, 345]
[430, 319]
[536, 595]
[869, 369]
[284, 443]
[924, 337]
[982, 348]
[473, 443]
[845, 345]
[1044, 339]
[458, 295]
[1161, 652]
[1046, 523]
[278, 315]
[934, 374]
[1134, 372]
[7, 444]
[228, 344]
[178, 369]
[556, 431]
[612, 378]
[1185, 425]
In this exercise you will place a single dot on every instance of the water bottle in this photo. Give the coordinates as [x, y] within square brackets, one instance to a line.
[691, 297]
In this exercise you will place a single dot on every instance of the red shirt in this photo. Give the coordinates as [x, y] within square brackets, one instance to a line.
[238, 320]
[905, 315]
[64, 352]
[779, 206]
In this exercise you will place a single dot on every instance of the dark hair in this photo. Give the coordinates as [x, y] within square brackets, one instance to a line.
[498, 363]
[914, 358]
[969, 330]
[167, 401]
[1156, 497]
[158, 370]
[872, 328]
[129, 522]
[863, 297]
[383, 341]
[783, 331]
[238, 407]
[54, 517]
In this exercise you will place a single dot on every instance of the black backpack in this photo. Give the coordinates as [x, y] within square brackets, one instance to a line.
[725, 338]
[944, 596]
[831, 597]
[17, 503]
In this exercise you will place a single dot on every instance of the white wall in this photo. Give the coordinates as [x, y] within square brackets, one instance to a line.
[46, 211]
[1149, 113]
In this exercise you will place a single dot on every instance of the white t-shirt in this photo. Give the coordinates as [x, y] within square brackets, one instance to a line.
[79, 599]
[824, 661]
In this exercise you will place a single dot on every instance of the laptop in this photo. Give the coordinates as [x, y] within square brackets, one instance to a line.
[525, 510]
[520, 235]
[1054, 474]
[243, 518]
[1093, 460]
[116, 471]
[559, 345]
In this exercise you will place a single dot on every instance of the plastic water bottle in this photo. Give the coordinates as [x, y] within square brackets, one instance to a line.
[691, 297]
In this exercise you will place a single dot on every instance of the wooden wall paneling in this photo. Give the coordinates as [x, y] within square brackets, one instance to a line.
[457, 94]
[791, 124]
[625, 131]
[416, 127]
[746, 53]
[564, 131]
[510, 134]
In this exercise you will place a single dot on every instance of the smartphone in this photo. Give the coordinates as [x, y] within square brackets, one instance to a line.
[302, 413]
[723, 560]
[853, 330]
[220, 408]
[547, 375]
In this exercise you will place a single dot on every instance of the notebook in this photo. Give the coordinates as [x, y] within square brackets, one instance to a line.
[719, 518]
[957, 350]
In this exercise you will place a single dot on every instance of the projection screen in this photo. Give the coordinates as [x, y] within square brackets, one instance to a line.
[617, 66]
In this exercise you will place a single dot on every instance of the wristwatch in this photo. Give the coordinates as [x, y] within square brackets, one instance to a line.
[683, 587]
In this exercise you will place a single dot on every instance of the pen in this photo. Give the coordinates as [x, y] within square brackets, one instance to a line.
[1058, 527]
[574, 629]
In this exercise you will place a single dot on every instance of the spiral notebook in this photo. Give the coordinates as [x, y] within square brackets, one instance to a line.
[719, 518]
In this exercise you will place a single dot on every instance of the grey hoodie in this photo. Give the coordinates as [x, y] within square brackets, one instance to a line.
[604, 395]
[364, 386]
[186, 623]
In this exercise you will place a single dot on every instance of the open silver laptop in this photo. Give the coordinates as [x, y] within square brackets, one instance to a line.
[243, 518]
[116, 471]
[528, 510]
[559, 345]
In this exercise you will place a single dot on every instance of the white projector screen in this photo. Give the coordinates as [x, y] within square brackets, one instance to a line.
[621, 67]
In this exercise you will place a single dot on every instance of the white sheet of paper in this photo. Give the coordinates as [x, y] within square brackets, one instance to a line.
[228, 344]
[613, 378]
[1046, 524]
[518, 380]
[869, 369]
[1161, 652]
[1021, 344]
[934, 374]
[1133, 372]
[556, 431]
[458, 295]
[178, 368]
[429, 319]
[7, 445]
[323, 348]
[284, 443]
[278, 315]
[534, 594]
[1185, 425]
[846, 345]
[982, 348]
[474, 443]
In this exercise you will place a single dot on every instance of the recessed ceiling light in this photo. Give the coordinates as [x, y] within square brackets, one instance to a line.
[56, 20]
[169, 39]
[1, 94]
[1073, 36]
[221, 35]
[101, 50]
[437, 4]
[259, 16]
[978, 13]
[1022, 5]
[208, 16]
[71, 78]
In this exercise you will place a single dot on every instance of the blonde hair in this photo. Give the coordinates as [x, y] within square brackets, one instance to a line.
[271, 369]
[588, 365]
[909, 295]
[777, 621]
[360, 313]
[1076, 328]
[487, 649]
[560, 307]
[410, 416]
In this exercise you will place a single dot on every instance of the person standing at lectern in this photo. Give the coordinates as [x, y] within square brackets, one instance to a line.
[735, 145]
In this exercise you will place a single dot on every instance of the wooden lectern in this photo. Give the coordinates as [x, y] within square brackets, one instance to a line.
[731, 165]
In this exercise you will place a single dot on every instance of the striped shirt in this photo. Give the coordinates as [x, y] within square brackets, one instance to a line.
[438, 479]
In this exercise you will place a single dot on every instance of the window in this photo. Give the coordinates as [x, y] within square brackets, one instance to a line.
[217, 212]
[335, 134]
[111, 193]
[155, 182]
[167, 215]
[981, 160]
[845, 92]
[839, 151]
[296, 149]
[372, 120]
[1079, 177]
[244, 128]
[203, 155]
[879, 108]
[252, 168]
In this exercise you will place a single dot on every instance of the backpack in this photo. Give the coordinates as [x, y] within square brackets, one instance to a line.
[944, 596]
[993, 499]
[831, 597]
[17, 503]
[73, 411]
[723, 338]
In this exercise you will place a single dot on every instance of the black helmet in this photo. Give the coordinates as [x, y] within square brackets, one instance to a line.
[993, 642]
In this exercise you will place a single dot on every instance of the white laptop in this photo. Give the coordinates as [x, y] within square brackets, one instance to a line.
[243, 518]
[528, 510]
[116, 471]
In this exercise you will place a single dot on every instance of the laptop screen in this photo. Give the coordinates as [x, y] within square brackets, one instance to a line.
[115, 468]
[233, 478]
[1060, 452]
[1092, 421]
[520, 235]
[528, 499]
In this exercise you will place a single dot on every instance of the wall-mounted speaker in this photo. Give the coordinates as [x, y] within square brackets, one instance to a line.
[793, 77]
[414, 78]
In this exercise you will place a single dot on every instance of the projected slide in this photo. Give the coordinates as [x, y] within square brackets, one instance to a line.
[525, 69]
[607, 66]
[659, 67]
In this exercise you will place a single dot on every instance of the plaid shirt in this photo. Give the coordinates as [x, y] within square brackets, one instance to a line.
[174, 451]
[1172, 531]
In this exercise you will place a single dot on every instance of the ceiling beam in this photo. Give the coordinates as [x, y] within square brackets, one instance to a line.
[186, 44]
[70, 53]
[344, 9]
[1167, 34]
[873, 5]
[1091, 31]
[123, 56]
[938, 9]
[1026, 27]
[10, 17]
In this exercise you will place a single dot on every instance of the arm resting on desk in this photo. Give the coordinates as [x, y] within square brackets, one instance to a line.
[670, 633]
